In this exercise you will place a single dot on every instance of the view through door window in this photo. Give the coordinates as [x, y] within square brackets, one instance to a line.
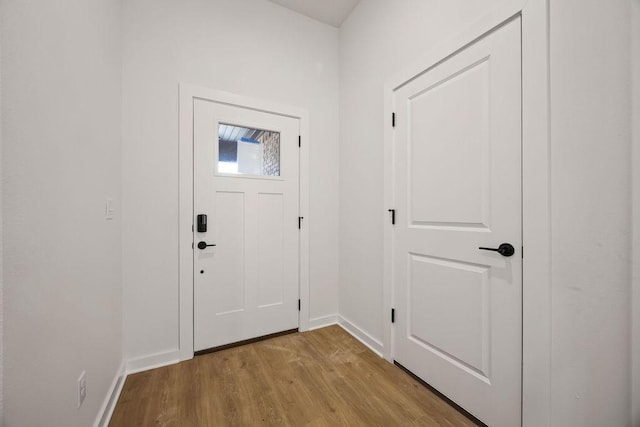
[248, 151]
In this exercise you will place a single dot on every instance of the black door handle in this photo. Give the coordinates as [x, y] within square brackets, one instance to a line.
[505, 249]
[203, 245]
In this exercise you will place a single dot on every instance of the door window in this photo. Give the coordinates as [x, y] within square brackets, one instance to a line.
[248, 151]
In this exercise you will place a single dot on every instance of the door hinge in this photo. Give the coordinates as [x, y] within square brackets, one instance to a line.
[522, 251]
[299, 305]
[393, 120]
[393, 216]
[192, 228]
[191, 245]
[300, 218]
[393, 315]
[299, 141]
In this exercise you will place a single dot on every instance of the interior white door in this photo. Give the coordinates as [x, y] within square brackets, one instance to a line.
[457, 187]
[246, 183]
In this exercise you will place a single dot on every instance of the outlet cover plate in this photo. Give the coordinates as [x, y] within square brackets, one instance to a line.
[82, 388]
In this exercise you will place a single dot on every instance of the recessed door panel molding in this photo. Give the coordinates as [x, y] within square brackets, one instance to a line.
[457, 181]
[246, 264]
[271, 249]
[228, 264]
[450, 171]
[458, 295]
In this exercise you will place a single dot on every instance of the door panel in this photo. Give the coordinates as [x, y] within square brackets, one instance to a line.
[271, 249]
[246, 182]
[457, 185]
[455, 294]
[440, 194]
[228, 264]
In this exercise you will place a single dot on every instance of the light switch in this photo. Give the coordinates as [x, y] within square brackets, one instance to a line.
[108, 209]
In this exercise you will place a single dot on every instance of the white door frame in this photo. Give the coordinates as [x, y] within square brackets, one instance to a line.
[188, 93]
[536, 204]
[635, 217]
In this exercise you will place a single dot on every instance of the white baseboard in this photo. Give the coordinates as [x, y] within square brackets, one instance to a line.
[362, 336]
[152, 361]
[132, 366]
[322, 322]
[109, 404]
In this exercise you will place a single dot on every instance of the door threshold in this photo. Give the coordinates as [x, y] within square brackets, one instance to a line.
[244, 342]
[442, 396]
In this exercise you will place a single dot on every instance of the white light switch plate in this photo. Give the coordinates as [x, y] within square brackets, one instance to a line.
[108, 209]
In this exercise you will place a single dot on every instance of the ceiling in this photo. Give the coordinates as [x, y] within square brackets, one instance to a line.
[231, 133]
[332, 12]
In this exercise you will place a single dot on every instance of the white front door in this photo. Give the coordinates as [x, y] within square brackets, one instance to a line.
[457, 188]
[246, 261]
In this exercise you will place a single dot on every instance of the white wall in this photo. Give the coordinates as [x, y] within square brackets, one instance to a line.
[249, 47]
[590, 160]
[61, 134]
[590, 87]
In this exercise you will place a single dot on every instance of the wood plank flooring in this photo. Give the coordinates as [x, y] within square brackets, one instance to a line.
[319, 378]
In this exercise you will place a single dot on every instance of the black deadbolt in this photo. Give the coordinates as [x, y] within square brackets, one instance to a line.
[202, 223]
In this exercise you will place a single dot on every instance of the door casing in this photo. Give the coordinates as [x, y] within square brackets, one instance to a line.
[536, 207]
[187, 94]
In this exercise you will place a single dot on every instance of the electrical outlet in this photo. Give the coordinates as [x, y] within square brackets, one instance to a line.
[82, 388]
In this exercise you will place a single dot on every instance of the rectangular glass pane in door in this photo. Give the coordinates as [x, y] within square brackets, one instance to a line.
[248, 151]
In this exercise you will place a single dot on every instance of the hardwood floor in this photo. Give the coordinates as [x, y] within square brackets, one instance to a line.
[319, 378]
